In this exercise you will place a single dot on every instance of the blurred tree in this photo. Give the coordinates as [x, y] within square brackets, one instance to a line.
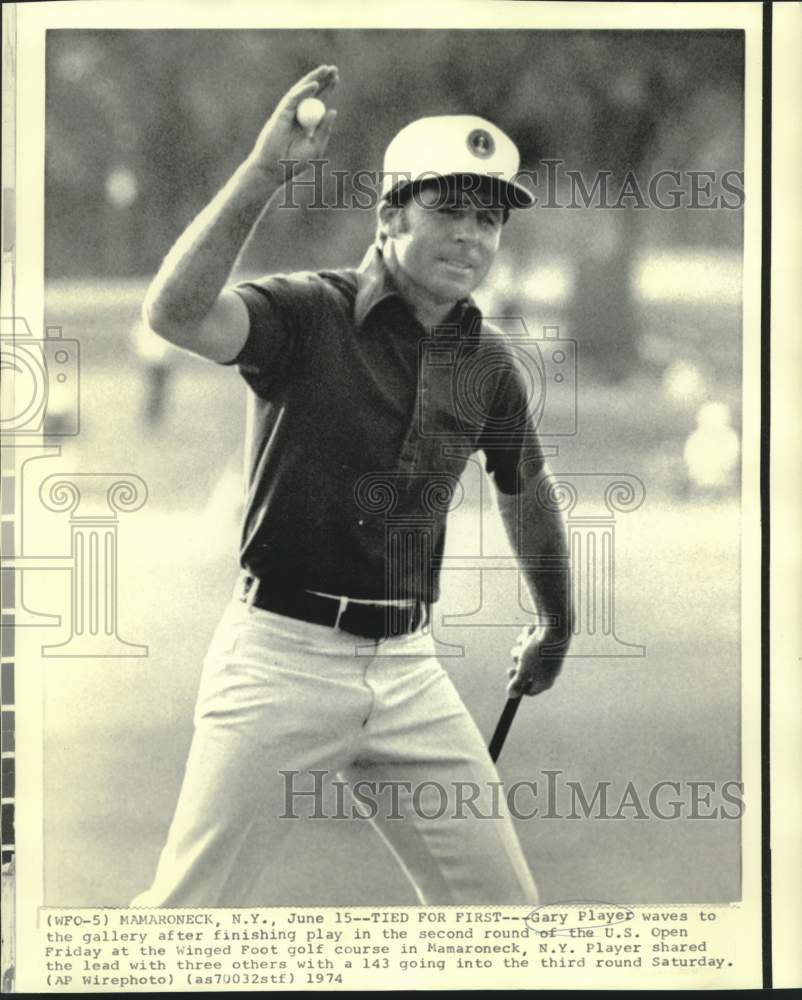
[601, 102]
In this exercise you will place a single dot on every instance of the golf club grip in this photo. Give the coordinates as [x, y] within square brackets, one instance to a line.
[503, 727]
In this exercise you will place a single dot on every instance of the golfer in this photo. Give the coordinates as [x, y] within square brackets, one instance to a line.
[370, 389]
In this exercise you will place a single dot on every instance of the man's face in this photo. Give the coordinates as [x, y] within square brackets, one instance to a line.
[445, 244]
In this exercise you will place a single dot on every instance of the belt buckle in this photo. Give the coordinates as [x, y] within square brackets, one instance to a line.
[360, 628]
[396, 619]
[344, 602]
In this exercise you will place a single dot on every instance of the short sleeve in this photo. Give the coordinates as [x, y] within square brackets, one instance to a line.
[509, 439]
[269, 354]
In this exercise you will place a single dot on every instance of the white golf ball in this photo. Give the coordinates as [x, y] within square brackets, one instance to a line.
[309, 112]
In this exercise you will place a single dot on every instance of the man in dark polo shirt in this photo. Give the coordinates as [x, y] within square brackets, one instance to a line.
[370, 391]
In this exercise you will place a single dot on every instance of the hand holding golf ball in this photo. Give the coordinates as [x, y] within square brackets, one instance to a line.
[309, 113]
[299, 128]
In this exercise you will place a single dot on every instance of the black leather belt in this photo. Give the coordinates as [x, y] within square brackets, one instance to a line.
[371, 621]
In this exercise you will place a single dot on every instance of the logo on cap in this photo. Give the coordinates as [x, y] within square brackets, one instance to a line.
[481, 143]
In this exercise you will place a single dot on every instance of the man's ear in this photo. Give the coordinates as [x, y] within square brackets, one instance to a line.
[391, 221]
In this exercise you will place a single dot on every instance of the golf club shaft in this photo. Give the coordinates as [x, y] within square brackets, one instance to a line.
[503, 727]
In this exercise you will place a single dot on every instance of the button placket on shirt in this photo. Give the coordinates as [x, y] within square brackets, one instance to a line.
[408, 461]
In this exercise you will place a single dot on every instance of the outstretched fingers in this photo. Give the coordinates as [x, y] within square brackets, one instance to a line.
[328, 82]
[314, 84]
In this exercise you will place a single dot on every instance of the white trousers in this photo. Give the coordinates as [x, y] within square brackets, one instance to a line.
[282, 695]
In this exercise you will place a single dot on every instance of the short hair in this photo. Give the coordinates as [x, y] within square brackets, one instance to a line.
[398, 198]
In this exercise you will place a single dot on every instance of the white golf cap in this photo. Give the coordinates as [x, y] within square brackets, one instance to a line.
[453, 145]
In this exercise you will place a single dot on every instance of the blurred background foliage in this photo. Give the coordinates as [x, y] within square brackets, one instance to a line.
[176, 111]
[143, 127]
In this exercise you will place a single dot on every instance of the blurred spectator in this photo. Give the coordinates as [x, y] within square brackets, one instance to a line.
[711, 451]
[683, 383]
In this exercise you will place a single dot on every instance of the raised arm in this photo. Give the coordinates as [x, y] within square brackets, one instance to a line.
[187, 302]
[537, 536]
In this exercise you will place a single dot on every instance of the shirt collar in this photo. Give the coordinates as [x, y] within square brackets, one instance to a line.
[374, 284]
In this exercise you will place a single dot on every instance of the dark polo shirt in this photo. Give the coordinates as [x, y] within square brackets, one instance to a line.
[362, 424]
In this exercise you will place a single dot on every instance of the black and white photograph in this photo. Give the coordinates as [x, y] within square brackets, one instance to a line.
[382, 489]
